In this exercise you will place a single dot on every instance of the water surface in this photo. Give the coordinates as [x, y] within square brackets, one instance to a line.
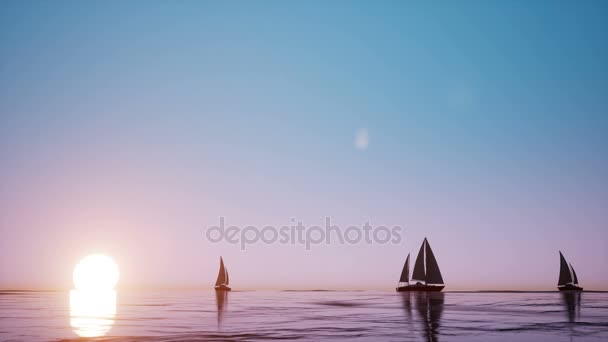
[306, 315]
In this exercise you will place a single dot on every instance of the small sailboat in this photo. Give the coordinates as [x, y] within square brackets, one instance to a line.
[426, 272]
[568, 281]
[221, 284]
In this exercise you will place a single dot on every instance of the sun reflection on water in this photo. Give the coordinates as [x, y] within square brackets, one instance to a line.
[93, 301]
[92, 312]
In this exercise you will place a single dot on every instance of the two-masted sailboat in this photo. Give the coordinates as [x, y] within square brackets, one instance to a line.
[568, 281]
[426, 272]
[221, 284]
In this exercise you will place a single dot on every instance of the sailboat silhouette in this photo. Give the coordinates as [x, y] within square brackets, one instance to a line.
[426, 272]
[568, 281]
[223, 280]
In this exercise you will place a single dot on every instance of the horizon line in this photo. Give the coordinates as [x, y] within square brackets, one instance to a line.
[252, 289]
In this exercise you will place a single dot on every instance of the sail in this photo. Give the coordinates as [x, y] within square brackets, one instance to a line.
[433, 275]
[221, 277]
[405, 273]
[418, 273]
[574, 274]
[564, 271]
[227, 278]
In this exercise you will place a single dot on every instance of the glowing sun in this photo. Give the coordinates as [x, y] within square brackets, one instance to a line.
[96, 272]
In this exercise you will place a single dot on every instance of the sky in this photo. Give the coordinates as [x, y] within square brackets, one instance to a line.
[128, 128]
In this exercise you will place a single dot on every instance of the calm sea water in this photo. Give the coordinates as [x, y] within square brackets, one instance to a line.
[304, 315]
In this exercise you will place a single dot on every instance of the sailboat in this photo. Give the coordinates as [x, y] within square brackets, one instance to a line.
[568, 281]
[426, 272]
[221, 284]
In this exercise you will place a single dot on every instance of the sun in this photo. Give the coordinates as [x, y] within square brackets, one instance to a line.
[96, 272]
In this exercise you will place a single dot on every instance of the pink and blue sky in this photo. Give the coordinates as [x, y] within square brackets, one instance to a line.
[126, 128]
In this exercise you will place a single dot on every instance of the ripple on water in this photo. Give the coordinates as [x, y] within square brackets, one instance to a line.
[317, 315]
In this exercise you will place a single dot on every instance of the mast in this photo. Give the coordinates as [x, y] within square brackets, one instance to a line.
[405, 273]
[433, 274]
[419, 273]
[565, 277]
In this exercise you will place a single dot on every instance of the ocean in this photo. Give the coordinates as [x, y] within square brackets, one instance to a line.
[303, 316]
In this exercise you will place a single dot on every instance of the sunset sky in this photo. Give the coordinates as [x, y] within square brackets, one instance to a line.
[127, 128]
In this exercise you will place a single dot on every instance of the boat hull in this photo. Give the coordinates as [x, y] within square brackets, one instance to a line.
[222, 288]
[570, 288]
[420, 288]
